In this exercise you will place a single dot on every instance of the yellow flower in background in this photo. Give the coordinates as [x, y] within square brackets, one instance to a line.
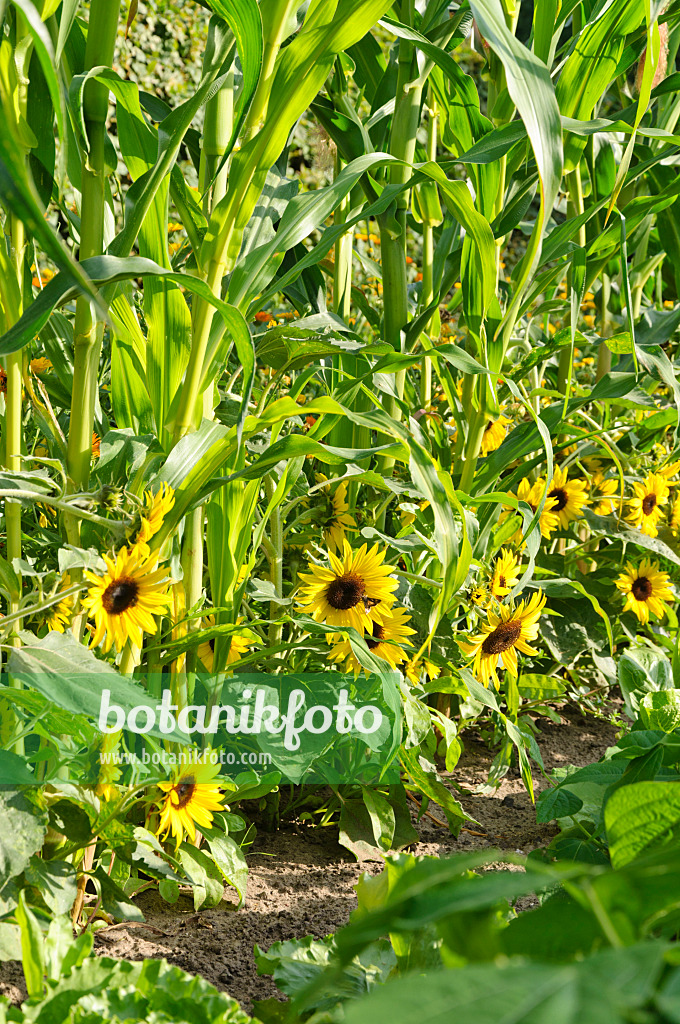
[356, 590]
[125, 599]
[669, 472]
[494, 434]
[415, 668]
[570, 497]
[646, 589]
[505, 574]
[674, 519]
[337, 517]
[532, 494]
[238, 646]
[507, 631]
[406, 516]
[96, 446]
[59, 615]
[645, 508]
[479, 595]
[392, 628]
[155, 509]
[40, 365]
[601, 494]
[191, 796]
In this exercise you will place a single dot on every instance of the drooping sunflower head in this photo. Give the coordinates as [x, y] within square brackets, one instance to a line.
[59, 615]
[40, 365]
[384, 641]
[125, 599]
[335, 515]
[494, 434]
[646, 589]
[415, 669]
[532, 495]
[190, 798]
[602, 491]
[155, 509]
[569, 497]
[239, 644]
[355, 590]
[504, 576]
[645, 508]
[506, 631]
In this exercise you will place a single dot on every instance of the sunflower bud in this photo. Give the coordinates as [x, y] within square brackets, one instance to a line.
[110, 497]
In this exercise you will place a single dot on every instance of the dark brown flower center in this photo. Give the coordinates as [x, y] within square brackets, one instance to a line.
[120, 595]
[185, 791]
[648, 504]
[377, 638]
[562, 498]
[344, 592]
[503, 636]
[642, 588]
[501, 581]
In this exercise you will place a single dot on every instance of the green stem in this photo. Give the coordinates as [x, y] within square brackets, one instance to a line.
[275, 559]
[427, 292]
[604, 356]
[574, 207]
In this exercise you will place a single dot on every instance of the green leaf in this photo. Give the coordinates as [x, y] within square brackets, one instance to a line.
[22, 830]
[14, 771]
[639, 815]
[661, 710]
[56, 880]
[31, 947]
[206, 877]
[229, 858]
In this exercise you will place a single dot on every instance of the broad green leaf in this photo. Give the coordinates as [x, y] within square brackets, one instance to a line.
[638, 815]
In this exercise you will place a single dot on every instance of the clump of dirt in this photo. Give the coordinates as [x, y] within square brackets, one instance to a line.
[301, 881]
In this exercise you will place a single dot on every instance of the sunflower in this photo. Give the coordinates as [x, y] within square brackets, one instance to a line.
[239, 645]
[669, 472]
[156, 507]
[40, 365]
[504, 575]
[96, 446]
[570, 496]
[124, 600]
[646, 589]
[494, 434]
[414, 669]
[336, 516]
[392, 628]
[506, 632]
[355, 591]
[479, 596]
[532, 495]
[191, 796]
[645, 507]
[59, 615]
[674, 518]
[601, 494]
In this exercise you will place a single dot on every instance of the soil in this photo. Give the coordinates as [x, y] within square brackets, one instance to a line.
[301, 881]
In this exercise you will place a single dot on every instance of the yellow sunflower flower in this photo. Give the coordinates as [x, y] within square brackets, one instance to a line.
[125, 599]
[669, 472]
[532, 494]
[238, 646]
[337, 517]
[59, 615]
[392, 628]
[415, 668]
[357, 589]
[494, 434]
[507, 631]
[479, 596]
[40, 365]
[505, 574]
[155, 509]
[601, 494]
[646, 589]
[190, 797]
[645, 508]
[570, 497]
[674, 518]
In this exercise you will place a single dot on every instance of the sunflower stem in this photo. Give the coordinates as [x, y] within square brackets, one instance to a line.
[275, 559]
[575, 207]
[427, 292]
